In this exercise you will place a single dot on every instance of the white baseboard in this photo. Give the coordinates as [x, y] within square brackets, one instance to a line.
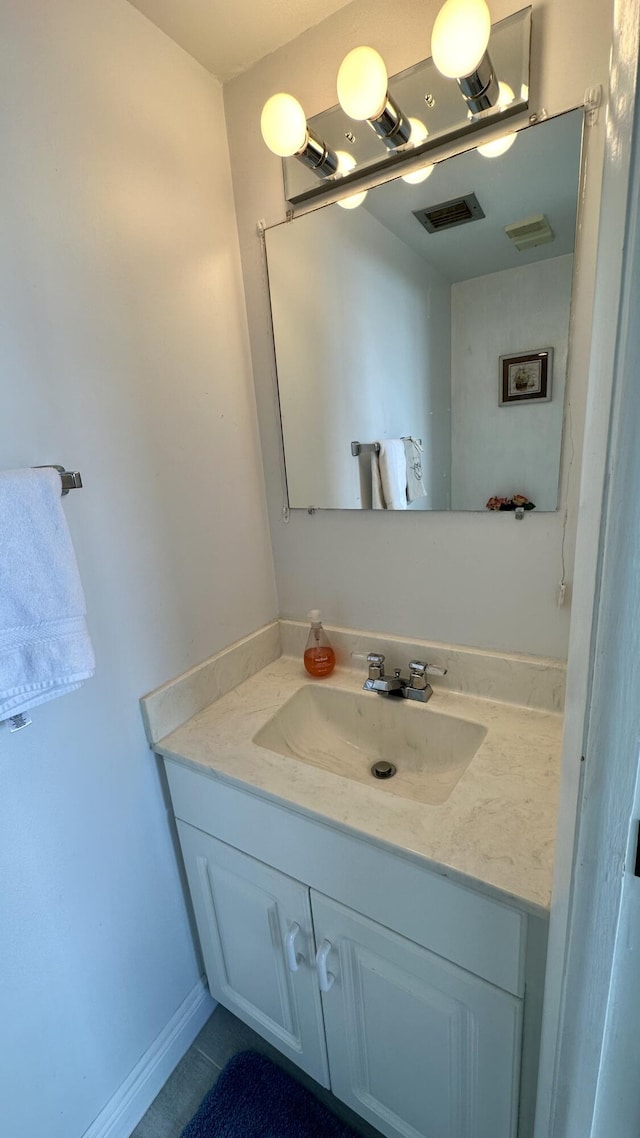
[134, 1096]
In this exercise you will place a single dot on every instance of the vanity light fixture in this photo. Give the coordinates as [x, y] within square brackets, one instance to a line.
[363, 94]
[459, 50]
[412, 113]
[286, 132]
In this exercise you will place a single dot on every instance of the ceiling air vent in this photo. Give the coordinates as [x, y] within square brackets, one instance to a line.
[527, 234]
[447, 214]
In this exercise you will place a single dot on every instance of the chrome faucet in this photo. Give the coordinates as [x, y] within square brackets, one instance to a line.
[415, 687]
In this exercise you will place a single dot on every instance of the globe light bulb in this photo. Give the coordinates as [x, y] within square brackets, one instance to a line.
[353, 201]
[460, 37]
[505, 95]
[418, 135]
[346, 163]
[284, 125]
[498, 146]
[418, 176]
[362, 84]
[419, 132]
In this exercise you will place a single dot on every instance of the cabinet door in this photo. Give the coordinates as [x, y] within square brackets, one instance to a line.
[256, 935]
[417, 1046]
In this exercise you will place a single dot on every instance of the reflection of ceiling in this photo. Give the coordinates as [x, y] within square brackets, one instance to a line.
[539, 174]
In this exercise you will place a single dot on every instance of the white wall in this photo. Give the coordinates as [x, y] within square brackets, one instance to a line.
[362, 332]
[512, 449]
[462, 578]
[124, 353]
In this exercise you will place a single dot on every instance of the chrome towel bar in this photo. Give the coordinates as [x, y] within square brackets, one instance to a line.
[71, 479]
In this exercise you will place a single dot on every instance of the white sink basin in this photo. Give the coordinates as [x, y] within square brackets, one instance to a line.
[346, 732]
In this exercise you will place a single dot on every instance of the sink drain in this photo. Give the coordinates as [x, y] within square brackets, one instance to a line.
[383, 769]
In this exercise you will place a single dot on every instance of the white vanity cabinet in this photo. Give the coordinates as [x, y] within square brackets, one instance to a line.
[411, 996]
[416, 1045]
[256, 935]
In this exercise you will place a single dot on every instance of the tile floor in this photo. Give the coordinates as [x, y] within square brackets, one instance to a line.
[221, 1037]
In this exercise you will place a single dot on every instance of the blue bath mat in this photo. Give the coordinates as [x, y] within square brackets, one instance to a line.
[255, 1099]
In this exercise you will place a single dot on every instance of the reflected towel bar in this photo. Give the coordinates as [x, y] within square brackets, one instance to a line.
[367, 448]
[364, 448]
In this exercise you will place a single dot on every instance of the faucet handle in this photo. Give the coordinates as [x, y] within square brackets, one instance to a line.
[418, 672]
[376, 665]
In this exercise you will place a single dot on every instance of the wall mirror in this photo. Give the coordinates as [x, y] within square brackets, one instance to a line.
[432, 319]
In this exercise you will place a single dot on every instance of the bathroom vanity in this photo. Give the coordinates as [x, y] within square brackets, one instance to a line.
[391, 942]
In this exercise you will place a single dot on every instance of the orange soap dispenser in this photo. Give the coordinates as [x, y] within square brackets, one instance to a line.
[319, 657]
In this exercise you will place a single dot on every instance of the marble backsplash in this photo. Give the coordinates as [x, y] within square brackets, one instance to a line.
[537, 682]
[172, 704]
[528, 681]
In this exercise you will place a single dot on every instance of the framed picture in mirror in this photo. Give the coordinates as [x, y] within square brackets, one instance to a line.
[526, 377]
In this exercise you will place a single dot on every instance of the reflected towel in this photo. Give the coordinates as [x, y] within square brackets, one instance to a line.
[377, 501]
[45, 649]
[415, 475]
[393, 474]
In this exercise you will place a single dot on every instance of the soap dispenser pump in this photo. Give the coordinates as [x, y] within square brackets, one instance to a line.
[319, 657]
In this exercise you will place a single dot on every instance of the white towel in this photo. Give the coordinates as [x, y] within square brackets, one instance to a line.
[393, 474]
[415, 476]
[377, 501]
[45, 649]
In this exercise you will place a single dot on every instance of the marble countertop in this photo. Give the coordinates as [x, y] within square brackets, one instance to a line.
[496, 830]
